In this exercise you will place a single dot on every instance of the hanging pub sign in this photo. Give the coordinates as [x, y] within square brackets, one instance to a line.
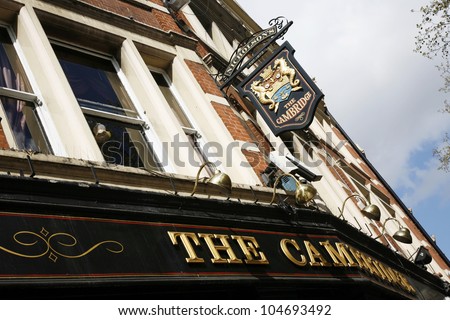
[282, 92]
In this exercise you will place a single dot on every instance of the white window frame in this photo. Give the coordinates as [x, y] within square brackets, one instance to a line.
[153, 142]
[187, 130]
[47, 126]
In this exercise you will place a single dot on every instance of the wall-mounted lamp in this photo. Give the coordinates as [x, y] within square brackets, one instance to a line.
[304, 192]
[371, 211]
[402, 235]
[423, 257]
[101, 135]
[219, 179]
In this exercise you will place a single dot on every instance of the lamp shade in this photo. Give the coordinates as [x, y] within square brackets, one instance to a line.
[423, 257]
[304, 193]
[101, 135]
[403, 235]
[218, 179]
[372, 212]
[222, 180]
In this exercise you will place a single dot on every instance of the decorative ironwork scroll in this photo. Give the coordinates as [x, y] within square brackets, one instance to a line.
[278, 27]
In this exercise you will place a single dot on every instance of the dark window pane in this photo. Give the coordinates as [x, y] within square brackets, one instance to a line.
[127, 145]
[94, 82]
[171, 100]
[90, 84]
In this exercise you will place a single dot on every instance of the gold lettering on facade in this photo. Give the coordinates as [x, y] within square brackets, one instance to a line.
[250, 248]
[215, 249]
[398, 279]
[405, 284]
[294, 108]
[380, 269]
[383, 268]
[368, 260]
[341, 254]
[284, 247]
[185, 236]
[357, 255]
[314, 254]
[341, 257]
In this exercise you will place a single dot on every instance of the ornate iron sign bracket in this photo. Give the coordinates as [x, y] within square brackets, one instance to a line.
[278, 27]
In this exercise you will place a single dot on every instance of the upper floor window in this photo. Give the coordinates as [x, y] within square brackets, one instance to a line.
[18, 103]
[107, 107]
[178, 108]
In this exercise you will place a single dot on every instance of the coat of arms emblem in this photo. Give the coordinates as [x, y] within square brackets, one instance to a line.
[276, 85]
[282, 92]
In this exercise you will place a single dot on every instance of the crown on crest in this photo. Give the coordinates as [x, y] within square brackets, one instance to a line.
[267, 72]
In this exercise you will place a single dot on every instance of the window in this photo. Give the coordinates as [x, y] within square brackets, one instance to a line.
[176, 104]
[108, 109]
[18, 104]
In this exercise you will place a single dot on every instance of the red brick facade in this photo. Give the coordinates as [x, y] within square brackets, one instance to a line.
[260, 139]
[232, 122]
[203, 78]
[150, 17]
[240, 131]
[3, 142]
[256, 160]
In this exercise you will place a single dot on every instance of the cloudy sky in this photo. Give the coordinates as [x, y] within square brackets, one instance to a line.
[384, 95]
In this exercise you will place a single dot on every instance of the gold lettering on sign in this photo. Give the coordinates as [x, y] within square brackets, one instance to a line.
[341, 257]
[358, 258]
[383, 268]
[294, 108]
[315, 254]
[301, 254]
[185, 236]
[214, 249]
[381, 271]
[250, 247]
[406, 284]
[284, 247]
[370, 266]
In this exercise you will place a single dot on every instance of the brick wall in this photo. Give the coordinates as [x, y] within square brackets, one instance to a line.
[232, 122]
[256, 160]
[201, 50]
[3, 142]
[150, 17]
[202, 76]
[366, 169]
[160, 2]
[166, 21]
[260, 139]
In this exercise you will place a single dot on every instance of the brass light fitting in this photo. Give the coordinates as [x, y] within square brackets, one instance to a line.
[101, 135]
[219, 179]
[371, 211]
[402, 235]
[304, 192]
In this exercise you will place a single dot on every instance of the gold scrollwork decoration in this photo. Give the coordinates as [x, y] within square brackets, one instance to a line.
[54, 243]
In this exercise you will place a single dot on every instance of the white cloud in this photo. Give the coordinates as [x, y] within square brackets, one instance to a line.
[424, 183]
[384, 95]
